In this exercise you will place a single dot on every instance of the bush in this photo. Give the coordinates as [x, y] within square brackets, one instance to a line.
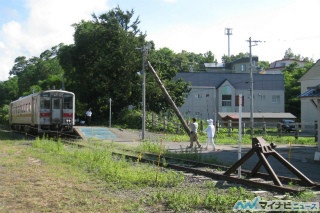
[131, 119]
[4, 114]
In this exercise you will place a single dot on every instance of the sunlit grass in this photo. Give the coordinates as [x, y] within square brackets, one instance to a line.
[110, 168]
[93, 180]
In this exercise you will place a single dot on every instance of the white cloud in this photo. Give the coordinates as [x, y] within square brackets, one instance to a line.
[287, 24]
[48, 23]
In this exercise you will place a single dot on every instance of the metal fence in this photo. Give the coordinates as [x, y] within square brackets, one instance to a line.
[171, 125]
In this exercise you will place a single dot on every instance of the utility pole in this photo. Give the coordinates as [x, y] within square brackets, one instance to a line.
[228, 32]
[110, 112]
[144, 50]
[251, 85]
[240, 133]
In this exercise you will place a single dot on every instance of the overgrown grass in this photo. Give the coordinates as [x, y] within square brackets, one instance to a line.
[50, 176]
[125, 173]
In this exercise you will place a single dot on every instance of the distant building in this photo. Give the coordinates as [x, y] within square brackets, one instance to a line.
[241, 65]
[277, 67]
[212, 93]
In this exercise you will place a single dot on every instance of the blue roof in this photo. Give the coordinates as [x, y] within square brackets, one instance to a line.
[311, 93]
[238, 80]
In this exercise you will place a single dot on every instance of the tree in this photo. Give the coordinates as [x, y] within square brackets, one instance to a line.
[167, 64]
[227, 59]
[103, 62]
[292, 73]
[263, 64]
[290, 55]
[42, 72]
[9, 90]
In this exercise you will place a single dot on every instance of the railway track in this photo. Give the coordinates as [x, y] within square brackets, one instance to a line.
[266, 181]
[217, 172]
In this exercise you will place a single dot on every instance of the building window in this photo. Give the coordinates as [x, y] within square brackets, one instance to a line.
[237, 101]
[262, 97]
[276, 99]
[243, 67]
[226, 100]
[198, 96]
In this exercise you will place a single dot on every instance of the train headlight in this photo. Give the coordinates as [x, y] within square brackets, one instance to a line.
[68, 121]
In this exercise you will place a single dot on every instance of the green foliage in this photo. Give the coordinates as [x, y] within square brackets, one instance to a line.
[103, 62]
[292, 73]
[151, 147]
[227, 59]
[264, 64]
[42, 72]
[290, 55]
[153, 186]
[9, 90]
[49, 145]
[4, 114]
[213, 200]
[130, 119]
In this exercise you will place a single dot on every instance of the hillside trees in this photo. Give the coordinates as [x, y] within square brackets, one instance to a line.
[38, 73]
[104, 63]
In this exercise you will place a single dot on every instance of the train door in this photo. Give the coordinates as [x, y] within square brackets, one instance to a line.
[33, 112]
[56, 112]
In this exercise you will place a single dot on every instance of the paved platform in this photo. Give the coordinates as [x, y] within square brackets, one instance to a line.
[88, 132]
[300, 156]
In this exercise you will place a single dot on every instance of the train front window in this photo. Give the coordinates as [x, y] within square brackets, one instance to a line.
[56, 104]
[67, 102]
[45, 104]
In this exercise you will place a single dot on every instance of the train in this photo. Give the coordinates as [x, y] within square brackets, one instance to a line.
[43, 112]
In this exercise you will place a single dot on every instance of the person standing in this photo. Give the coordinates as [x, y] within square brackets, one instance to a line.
[88, 116]
[194, 133]
[210, 130]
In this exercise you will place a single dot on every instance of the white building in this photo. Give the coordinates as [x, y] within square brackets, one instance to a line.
[219, 92]
[310, 82]
[310, 101]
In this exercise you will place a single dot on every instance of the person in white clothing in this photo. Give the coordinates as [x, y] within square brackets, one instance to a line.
[210, 130]
[88, 116]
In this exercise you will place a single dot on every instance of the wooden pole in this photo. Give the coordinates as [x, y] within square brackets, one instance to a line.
[175, 108]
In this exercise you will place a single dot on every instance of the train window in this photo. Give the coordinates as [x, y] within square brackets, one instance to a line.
[56, 104]
[67, 103]
[45, 104]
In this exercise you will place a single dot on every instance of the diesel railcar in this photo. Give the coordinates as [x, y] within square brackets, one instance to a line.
[43, 112]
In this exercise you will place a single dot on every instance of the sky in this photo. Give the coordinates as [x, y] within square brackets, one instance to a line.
[29, 27]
